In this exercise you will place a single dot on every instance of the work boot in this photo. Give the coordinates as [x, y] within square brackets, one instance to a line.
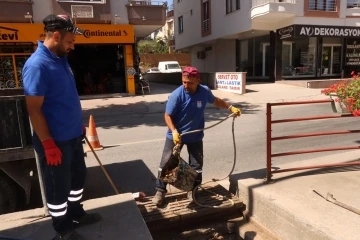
[88, 219]
[69, 236]
[159, 198]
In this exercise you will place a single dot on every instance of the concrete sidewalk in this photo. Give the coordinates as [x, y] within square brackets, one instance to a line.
[290, 209]
[257, 94]
[121, 219]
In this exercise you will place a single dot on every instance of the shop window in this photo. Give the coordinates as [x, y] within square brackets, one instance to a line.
[261, 54]
[255, 56]
[17, 49]
[244, 55]
[12, 60]
[352, 56]
[331, 56]
[299, 57]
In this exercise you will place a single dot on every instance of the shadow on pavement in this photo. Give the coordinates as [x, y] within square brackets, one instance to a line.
[149, 114]
[131, 176]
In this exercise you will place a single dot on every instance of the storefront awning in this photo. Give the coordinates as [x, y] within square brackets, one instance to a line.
[317, 31]
[94, 33]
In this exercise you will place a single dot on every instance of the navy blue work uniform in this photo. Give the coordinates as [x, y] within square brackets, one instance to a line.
[187, 113]
[45, 74]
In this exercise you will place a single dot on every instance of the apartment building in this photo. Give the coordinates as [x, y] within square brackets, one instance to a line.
[104, 59]
[271, 39]
[166, 33]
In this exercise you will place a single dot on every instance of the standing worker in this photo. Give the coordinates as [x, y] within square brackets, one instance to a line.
[55, 113]
[185, 112]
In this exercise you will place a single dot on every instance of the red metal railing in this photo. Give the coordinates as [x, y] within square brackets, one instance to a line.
[269, 138]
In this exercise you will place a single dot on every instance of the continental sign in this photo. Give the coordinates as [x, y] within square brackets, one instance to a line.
[93, 33]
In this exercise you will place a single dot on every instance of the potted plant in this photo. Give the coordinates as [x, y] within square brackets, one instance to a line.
[346, 95]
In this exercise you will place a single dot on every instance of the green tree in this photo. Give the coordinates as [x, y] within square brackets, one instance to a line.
[153, 46]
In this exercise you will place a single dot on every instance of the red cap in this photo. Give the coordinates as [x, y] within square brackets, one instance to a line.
[191, 71]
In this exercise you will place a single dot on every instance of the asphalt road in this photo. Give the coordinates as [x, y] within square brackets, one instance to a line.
[139, 137]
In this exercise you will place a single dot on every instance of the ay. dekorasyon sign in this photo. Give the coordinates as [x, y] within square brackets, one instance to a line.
[230, 81]
[317, 31]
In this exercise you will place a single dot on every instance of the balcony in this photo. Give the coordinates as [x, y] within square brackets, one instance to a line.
[146, 16]
[326, 9]
[206, 27]
[273, 10]
[170, 11]
[19, 8]
[84, 12]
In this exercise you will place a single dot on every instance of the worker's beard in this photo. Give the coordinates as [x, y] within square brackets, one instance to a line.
[61, 52]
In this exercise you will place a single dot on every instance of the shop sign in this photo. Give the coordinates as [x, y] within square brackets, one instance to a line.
[317, 31]
[326, 31]
[93, 33]
[230, 82]
[286, 32]
[352, 52]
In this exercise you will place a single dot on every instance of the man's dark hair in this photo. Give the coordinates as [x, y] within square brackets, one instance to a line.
[61, 23]
[62, 32]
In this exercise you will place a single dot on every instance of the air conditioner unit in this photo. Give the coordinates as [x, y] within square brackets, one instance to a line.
[201, 55]
[82, 11]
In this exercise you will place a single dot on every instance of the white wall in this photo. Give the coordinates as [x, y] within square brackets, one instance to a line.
[41, 8]
[222, 24]
[221, 58]
[118, 7]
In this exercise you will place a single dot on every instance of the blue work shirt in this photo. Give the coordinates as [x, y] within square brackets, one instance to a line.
[45, 74]
[187, 111]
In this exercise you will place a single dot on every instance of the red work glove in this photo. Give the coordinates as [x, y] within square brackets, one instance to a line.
[52, 152]
[84, 132]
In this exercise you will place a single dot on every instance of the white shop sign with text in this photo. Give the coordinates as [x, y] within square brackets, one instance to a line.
[230, 82]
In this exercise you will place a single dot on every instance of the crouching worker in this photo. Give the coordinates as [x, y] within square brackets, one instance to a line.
[185, 112]
[55, 112]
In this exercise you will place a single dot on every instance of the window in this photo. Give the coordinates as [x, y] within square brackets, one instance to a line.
[322, 5]
[232, 6]
[205, 27]
[181, 24]
[353, 3]
[83, 1]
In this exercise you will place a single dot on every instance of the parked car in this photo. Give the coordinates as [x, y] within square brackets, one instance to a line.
[153, 70]
[169, 67]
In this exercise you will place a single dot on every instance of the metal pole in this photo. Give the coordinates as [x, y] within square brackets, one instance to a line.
[41, 182]
[268, 141]
[101, 166]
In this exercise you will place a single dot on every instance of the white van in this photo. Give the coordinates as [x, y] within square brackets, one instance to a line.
[169, 67]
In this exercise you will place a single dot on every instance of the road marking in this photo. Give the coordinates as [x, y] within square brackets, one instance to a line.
[132, 143]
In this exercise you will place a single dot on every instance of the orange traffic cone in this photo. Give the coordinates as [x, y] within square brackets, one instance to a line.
[93, 137]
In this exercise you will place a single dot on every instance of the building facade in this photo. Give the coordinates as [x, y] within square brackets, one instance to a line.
[104, 59]
[166, 33]
[271, 39]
